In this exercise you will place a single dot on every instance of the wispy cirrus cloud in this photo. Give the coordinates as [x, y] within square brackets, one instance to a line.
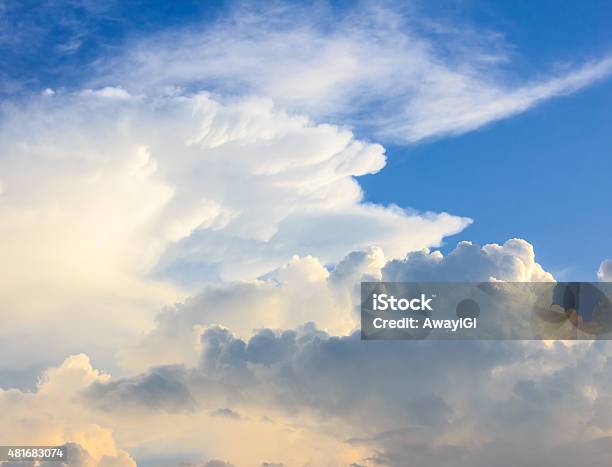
[388, 71]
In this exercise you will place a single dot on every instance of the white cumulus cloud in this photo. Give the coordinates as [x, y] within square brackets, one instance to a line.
[605, 271]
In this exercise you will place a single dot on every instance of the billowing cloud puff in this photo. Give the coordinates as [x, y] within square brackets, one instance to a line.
[226, 184]
[512, 261]
[299, 292]
[303, 290]
[605, 271]
[49, 416]
[110, 200]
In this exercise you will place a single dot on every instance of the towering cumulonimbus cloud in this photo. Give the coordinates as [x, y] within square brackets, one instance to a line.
[115, 205]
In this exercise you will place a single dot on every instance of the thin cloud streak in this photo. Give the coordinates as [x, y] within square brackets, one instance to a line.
[377, 69]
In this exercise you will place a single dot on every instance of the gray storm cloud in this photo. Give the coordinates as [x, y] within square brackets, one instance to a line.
[442, 403]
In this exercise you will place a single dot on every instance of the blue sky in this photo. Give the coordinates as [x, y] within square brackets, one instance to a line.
[542, 174]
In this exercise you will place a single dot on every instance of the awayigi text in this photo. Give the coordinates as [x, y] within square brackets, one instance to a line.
[383, 302]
